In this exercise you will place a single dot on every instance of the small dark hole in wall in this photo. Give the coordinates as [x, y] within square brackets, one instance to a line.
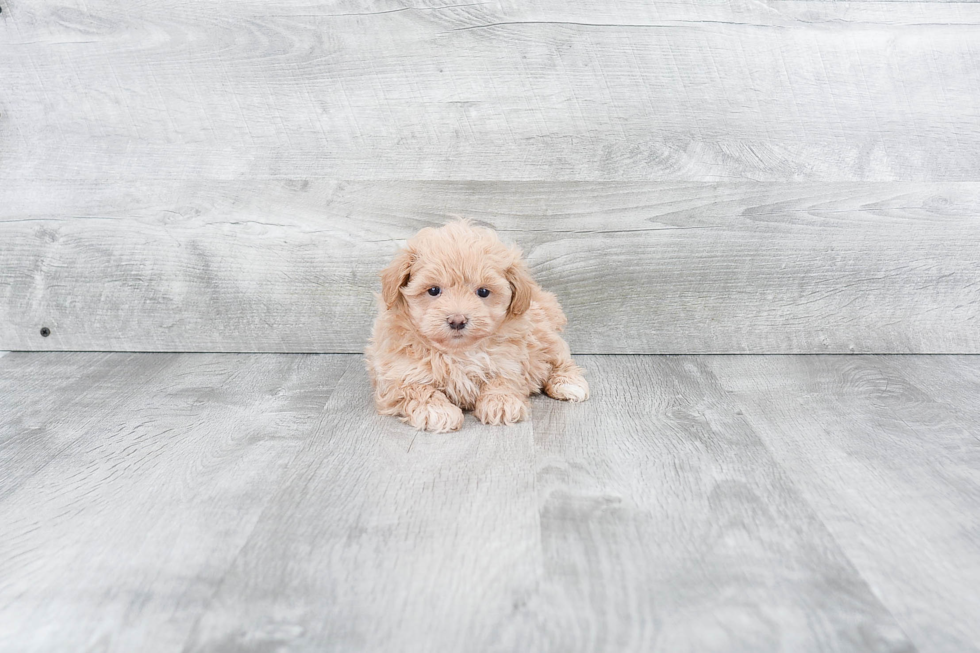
[45, 332]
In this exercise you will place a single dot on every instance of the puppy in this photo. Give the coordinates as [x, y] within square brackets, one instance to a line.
[462, 326]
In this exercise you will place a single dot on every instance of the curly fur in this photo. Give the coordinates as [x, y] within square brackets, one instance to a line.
[428, 373]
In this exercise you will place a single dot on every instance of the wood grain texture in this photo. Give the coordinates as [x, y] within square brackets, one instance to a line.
[118, 542]
[390, 89]
[384, 539]
[169, 171]
[887, 451]
[667, 526]
[693, 504]
[49, 401]
[287, 266]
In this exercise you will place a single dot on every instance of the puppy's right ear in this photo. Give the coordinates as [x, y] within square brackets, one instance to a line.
[395, 276]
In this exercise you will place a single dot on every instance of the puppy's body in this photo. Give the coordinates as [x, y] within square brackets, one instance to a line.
[440, 346]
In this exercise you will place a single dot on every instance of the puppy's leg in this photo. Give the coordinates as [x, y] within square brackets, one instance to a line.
[501, 402]
[422, 406]
[551, 361]
[567, 382]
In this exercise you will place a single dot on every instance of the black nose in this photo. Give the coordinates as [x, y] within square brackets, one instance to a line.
[457, 322]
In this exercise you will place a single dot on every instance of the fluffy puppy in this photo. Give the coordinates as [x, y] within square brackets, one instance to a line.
[462, 326]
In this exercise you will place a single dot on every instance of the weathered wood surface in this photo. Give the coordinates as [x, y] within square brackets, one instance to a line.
[384, 538]
[119, 540]
[168, 171]
[231, 502]
[282, 265]
[666, 525]
[538, 89]
[50, 400]
[887, 451]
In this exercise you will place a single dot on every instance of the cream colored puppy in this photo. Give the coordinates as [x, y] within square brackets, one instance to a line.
[462, 326]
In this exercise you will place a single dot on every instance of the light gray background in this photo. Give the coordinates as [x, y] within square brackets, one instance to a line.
[742, 177]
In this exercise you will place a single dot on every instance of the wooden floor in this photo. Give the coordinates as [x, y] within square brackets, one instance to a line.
[220, 502]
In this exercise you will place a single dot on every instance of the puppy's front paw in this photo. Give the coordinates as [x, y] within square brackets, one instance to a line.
[441, 416]
[567, 387]
[498, 408]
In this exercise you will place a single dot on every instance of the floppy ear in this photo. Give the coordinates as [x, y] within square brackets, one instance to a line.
[521, 288]
[395, 276]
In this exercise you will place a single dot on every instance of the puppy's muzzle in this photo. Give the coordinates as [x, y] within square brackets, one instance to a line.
[457, 322]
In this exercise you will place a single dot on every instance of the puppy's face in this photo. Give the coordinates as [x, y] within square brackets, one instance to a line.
[456, 285]
[454, 310]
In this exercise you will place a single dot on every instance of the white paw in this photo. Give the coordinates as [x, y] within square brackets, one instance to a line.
[495, 409]
[439, 417]
[567, 388]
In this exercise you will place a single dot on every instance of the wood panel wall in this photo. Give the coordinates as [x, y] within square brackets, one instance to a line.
[688, 177]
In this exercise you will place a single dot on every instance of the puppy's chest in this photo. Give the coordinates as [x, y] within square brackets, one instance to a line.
[462, 377]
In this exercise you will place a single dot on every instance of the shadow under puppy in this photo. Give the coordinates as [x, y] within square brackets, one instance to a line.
[463, 326]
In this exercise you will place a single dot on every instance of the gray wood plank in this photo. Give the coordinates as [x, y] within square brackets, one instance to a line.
[639, 267]
[385, 539]
[542, 89]
[887, 451]
[119, 542]
[50, 400]
[223, 506]
[666, 525]
[953, 382]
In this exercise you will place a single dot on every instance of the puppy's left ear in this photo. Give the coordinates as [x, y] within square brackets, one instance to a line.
[521, 288]
[395, 276]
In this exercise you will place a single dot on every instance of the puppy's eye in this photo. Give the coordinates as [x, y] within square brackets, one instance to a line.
[435, 290]
[483, 292]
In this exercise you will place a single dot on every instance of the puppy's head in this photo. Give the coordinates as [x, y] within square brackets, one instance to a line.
[457, 284]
